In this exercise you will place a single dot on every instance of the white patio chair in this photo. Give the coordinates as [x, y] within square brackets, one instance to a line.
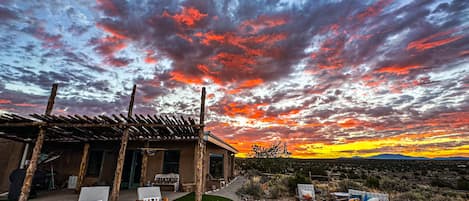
[306, 192]
[95, 193]
[379, 196]
[369, 195]
[149, 193]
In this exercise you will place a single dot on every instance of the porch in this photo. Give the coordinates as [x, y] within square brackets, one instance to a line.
[84, 131]
[70, 195]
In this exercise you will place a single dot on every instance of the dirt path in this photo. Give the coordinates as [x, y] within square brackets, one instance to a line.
[230, 190]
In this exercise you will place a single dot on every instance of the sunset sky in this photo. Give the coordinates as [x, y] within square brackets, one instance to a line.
[330, 78]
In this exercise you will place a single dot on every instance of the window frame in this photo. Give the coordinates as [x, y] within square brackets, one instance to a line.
[221, 159]
[167, 170]
[98, 160]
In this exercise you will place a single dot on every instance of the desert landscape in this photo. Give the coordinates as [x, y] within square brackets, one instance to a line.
[276, 178]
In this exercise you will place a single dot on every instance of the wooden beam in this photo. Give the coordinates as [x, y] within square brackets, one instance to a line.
[92, 125]
[28, 179]
[121, 157]
[143, 171]
[83, 165]
[200, 176]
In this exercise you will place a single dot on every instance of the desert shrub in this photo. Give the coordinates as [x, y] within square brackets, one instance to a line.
[253, 173]
[297, 179]
[372, 182]
[353, 175]
[440, 183]
[252, 187]
[445, 198]
[318, 171]
[388, 184]
[410, 196]
[462, 184]
[277, 186]
[344, 185]
[438, 198]
[276, 191]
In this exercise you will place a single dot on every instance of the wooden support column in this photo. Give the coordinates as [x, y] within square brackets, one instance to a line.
[83, 165]
[120, 160]
[143, 171]
[28, 179]
[200, 176]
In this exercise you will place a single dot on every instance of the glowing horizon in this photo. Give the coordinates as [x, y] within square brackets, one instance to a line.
[331, 78]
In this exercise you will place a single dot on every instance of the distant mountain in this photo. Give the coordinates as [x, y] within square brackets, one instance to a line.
[452, 158]
[404, 157]
[396, 157]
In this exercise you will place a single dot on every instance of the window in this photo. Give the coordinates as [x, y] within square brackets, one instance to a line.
[171, 162]
[95, 161]
[216, 165]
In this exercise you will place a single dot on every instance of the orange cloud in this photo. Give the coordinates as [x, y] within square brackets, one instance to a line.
[371, 81]
[188, 79]
[450, 119]
[234, 61]
[246, 110]
[398, 70]
[464, 53]
[251, 83]
[252, 45]
[196, 78]
[184, 37]
[4, 101]
[26, 105]
[400, 85]
[150, 58]
[119, 34]
[350, 123]
[114, 42]
[427, 43]
[188, 16]
[330, 53]
[373, 10]
[261, 22]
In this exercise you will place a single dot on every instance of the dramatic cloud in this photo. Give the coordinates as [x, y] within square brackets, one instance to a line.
[332, 79]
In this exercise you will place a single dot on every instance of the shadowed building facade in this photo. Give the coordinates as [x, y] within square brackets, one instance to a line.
[117, 150]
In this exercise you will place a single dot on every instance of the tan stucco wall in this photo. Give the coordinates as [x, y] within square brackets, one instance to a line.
[68, 164]
[186, 160]
[227, 171]
[9, 160]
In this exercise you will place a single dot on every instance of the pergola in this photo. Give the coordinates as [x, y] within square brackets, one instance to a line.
[82, 128]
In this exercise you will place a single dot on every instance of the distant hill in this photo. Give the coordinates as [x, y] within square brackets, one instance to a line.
[404, 157]
[453, 158]
[396, 157]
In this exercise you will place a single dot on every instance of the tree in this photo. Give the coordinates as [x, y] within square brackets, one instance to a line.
[273, 151]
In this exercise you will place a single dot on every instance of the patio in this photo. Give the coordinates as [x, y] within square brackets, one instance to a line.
[124, 195]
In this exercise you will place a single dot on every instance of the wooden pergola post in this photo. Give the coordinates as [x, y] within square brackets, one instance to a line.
[121, 157]
[143, 171]
[200, 176]
[28, 179]
[83, 165]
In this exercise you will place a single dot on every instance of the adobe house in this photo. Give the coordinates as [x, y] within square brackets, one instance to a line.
[117, 150]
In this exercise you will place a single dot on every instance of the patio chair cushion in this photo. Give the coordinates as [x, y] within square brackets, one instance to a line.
[356, 197]
[95, 193]
[152, 199]
[307, 195]
[149, 193]
[306, 191]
